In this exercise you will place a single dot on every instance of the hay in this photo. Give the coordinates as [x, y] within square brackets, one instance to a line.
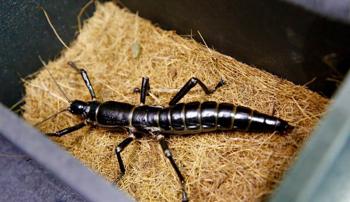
[233, 166]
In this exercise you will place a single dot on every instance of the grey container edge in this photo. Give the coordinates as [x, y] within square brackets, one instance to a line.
[321, 172]
[70, 171]
[297, 191]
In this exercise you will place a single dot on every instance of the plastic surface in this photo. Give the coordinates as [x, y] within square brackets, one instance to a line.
[23, 179]
[62, 165]
[279, 36]
[25, 34]
[321, 172]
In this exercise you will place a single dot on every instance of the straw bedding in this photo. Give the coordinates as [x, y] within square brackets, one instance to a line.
[117, 48]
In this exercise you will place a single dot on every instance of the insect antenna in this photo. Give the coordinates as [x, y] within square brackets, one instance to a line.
[50, 117]
[62, 92]
[54, 80]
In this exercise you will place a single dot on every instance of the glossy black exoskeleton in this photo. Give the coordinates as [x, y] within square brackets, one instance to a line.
[175, 119]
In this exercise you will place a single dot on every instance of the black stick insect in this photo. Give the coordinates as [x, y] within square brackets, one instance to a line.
[158, 122]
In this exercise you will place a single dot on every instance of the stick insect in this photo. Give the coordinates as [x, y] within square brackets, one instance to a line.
[160, 122]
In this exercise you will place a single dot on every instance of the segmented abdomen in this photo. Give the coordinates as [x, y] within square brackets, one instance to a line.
[195, 117]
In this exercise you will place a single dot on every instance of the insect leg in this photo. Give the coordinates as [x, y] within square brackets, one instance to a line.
[168, 154]
[86, 79]
[121, 146]
[145, 87]
[65, 131]
[189, 85]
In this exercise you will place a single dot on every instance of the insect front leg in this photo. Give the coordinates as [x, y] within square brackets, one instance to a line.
[67, 130]
[118, 149]
[189, 85]
[86, 79]
[169, 155]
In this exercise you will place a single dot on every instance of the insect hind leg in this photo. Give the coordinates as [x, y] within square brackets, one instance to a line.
[189, 85]
[169, 155]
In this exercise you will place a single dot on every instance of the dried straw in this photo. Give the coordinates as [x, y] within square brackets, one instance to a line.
[233, 166]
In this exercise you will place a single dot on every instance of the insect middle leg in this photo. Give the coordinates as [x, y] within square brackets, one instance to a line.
[145, 87]
[118, 149]
[169, 155]
[86, 79]
[144, 90]
[189, 85]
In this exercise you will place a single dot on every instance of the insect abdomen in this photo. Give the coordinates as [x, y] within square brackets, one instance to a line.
[189, 118]
[195, 117]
